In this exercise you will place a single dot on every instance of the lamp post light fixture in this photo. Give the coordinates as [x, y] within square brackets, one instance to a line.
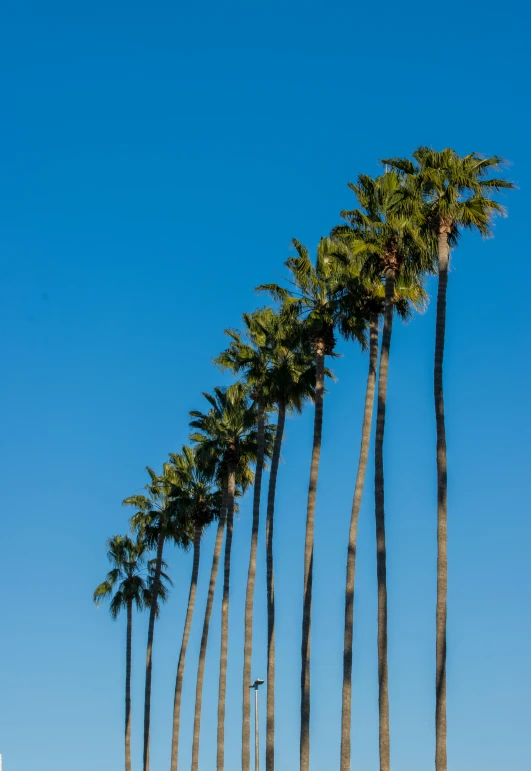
[257, 683]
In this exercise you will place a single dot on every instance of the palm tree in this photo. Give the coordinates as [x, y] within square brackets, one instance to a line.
[244, 479]
[201, 504]
[291, 382]
[227, 433]
[125, 586]
[245, 354]
[278, 375]
[392, 247]
[448, 193]
[362, 298]
[155, 522]
[313, 301]
[206, 626]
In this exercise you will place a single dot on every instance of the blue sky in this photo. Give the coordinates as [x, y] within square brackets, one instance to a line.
[156, 159]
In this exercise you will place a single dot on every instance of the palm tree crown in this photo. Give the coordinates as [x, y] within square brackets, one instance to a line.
[277, 362]
[126, 581]
[382, 238]
[226, 435]
[317, 289]
[161, 511]
[448, 192]
[195, 493]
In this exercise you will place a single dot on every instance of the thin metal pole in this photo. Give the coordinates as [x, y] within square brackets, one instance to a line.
[256, 750]
[257, 683]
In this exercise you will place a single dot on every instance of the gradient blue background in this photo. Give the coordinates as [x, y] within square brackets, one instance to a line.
[155, 161]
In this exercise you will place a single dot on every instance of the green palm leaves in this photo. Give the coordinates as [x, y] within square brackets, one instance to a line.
[226, 434]
[312, 300]
[447, 191]
[130, 580]
[197, 499]
[125, 582]
[272, 357]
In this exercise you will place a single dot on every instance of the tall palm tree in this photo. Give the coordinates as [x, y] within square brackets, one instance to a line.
[244, 479]
[126, 585]
[227, 432]
[201, 502]
[206, 626]
[290, 383]
[391, 247]
[277, 376]
[246, 356]
[362, 298]
[155, 522]
[448, 193]
[313, 302]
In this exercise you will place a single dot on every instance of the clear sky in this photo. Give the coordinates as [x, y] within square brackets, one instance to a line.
[155, 161]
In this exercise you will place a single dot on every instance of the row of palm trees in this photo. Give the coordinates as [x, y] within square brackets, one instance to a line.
[370, 267]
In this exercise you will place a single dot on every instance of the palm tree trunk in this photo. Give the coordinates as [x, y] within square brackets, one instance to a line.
[270, 708]
[184, 644]
[381, 556]
[204, 637]
[149, 657]
[128, 685]
[249, 596]
[220, 762]
[442, 557]
[351, 553]
[308, 560]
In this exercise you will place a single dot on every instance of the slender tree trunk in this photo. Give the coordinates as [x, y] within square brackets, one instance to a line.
[128, 685]
[381, 556]
[149, 653]
[184, 644]
[204, 637]
[249, 596]
[308, 560]
[225, 624]
[351, 553]
[442, 557]
[270, 578]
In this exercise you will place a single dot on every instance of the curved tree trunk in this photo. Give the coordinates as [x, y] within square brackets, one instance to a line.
[149, 656]
[249, 597]
[270, 709]
[381, 556]
[128, 686]
[308, 560]
[442, 557]
[184, 644]
[351, 552]
[220, 763]
[204, 637]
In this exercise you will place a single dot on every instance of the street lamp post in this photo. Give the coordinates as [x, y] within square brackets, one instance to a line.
[256, 685]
